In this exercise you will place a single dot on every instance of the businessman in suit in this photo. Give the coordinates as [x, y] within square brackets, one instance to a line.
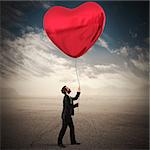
[68, 111]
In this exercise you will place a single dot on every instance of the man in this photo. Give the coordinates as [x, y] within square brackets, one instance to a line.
[68, 111]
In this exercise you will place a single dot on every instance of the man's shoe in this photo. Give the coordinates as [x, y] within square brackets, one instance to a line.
[75, 143]
[61, 145]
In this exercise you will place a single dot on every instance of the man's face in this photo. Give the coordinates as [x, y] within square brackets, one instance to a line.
[68, 90]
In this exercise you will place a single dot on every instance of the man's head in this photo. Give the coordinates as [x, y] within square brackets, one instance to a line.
[65, 90]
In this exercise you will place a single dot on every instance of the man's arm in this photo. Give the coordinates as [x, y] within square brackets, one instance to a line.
[77, 95]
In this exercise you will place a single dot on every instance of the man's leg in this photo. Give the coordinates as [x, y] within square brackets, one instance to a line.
[62, 131]
[72, 132]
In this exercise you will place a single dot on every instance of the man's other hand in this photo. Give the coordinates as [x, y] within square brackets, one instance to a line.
[76, 105]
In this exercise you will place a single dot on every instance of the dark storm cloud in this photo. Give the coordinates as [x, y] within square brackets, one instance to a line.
[5, 34]
[12, 18]
[17, 15]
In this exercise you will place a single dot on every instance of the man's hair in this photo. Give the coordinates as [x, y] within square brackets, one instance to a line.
[63, 90]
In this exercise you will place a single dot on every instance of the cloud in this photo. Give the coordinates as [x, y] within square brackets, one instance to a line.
[29, 54]
[45, 5]
[5, 34]
[141, 65]
[12, 16]
[124, 51]
[133, 34]
[34, 66]
[111, 80]
[136, 55]
[107, 68]
[103, 43]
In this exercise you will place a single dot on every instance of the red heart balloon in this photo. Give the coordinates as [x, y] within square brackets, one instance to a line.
[74, 31]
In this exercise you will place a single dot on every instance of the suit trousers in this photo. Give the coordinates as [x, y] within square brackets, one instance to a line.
[67, 121]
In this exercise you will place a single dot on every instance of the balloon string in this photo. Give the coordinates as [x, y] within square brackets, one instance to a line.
[77, 72]
[77, 75]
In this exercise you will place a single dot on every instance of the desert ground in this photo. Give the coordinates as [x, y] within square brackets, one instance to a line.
[100, 123]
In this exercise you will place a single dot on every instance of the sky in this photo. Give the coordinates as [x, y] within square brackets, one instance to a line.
[117, 64]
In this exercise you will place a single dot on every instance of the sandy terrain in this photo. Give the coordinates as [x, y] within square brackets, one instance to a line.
[100, 123]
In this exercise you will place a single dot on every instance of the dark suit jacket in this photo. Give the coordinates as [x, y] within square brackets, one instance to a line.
[68, 106]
